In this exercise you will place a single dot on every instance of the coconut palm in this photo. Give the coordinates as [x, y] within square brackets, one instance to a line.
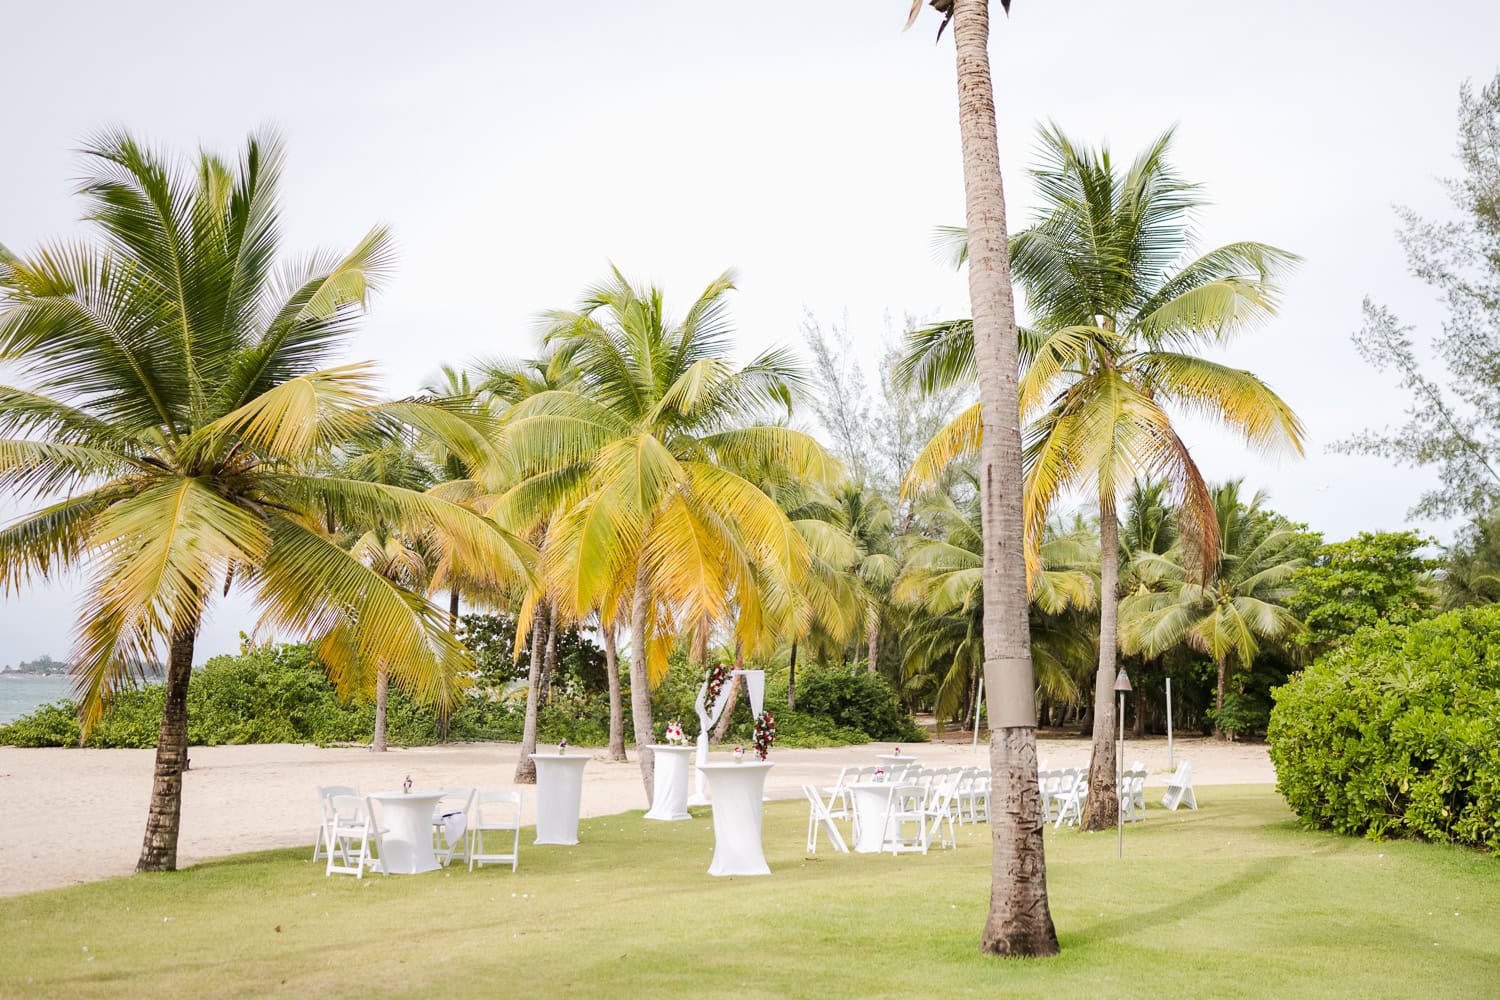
[172, 391]
[644, 458]
[943, 576]
[1235, 609]
[1019, 921]
[1121, 306]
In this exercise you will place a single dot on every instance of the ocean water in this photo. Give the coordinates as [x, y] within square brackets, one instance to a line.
[19, 695]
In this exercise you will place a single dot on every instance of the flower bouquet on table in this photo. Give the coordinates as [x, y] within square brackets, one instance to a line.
[739, 754]
[562, 747]
[675, 736]
[718, 676]
[765, 734]
[406, 786]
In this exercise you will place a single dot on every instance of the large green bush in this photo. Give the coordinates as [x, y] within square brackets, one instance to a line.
[854, 698]
[1397, 732]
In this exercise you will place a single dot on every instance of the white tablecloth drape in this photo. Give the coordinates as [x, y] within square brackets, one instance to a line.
[737, 791]
[559, 793]
[406, 817]
[669, 799]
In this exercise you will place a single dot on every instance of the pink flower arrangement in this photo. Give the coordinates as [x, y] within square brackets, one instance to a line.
[675, 735]
[765, 734]
[718, 676]
[739, 754]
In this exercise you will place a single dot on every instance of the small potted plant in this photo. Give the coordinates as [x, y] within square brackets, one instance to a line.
[406, 786]
[562, 747]
[739, 755]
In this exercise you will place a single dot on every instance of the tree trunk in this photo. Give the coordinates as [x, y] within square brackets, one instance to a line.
[1019, 921]
[616, 709]
[1219, 697]
[734, 697]
[1102, 806]
[163, 820]
[872, 641]
[526, 767]
[453, 609]
[549, 663]
[382, 699]
[791, 679]
[1138, 728]
[640, 682]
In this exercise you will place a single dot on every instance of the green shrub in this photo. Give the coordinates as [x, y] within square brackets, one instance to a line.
[856, 699]
[54, 725]
[1397, 732]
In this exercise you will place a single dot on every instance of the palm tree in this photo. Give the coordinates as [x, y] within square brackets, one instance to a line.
[1019, 922]
[644, 459]
[1238, 607]
[171, 396]
[943, 577]
[867, 518]
[1121, 306]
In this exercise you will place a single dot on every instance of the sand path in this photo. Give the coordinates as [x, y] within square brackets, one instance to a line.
[72, 816]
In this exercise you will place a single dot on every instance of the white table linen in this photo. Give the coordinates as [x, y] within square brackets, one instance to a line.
[670, 795]
[896, 758]
[871, 800]
[406, 817]
[737, 790]
[559, 794]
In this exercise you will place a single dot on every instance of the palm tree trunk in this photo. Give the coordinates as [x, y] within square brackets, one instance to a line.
[872, 641]
[382, 699]
[1219, 696]
[791, 679]
[1138, 729]
[640, 681]
[526, 767]
[549, 663]
[1101, 809]
[453, 609]
[616, 709]
[163, 820]
[1019, 921]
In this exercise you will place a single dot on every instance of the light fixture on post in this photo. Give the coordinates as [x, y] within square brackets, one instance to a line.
[1122, 685]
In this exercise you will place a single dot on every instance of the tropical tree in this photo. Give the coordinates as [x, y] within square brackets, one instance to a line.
[172, 391]
[1019, 921]
[644, 458]
[1121, 308]
[943, 576]
[1234, 609]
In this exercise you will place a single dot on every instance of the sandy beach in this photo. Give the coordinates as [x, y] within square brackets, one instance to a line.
[69, 816]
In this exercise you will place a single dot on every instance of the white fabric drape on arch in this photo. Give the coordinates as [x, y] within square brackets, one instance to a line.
[755, 684]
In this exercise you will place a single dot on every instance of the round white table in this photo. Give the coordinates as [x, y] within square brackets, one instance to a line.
[669, 799]
[737, 790]
[896, 758]
[406, 845]
[559, 792]
[871, 800]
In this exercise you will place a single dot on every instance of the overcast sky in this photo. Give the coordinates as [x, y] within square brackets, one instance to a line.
[517, 149]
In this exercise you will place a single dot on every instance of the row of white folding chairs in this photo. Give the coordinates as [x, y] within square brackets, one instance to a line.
[1063, 792]
[837, 794]
[1133, 793]
[923, 805]
[350, 838]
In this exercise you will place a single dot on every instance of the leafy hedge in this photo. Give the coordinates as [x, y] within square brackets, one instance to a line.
[1397, 732]
[281, 695]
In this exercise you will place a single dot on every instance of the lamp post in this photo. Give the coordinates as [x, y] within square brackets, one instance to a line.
[1122, 685]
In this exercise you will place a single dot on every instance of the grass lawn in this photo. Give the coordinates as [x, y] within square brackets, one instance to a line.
[1230, 901]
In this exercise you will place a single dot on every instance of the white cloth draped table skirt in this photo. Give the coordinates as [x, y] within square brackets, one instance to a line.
[559, 793]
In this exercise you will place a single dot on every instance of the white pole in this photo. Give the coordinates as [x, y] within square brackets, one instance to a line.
[1170, 765]
[1119, 780]
[978, 704]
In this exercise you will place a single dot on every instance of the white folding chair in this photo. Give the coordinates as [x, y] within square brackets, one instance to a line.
[818, 815]
[838, 805]
[1180, 789]
[905, 806]
[450, 824]
[495, 812]
[352, 824]
[1073, 787]
[1132, 795]
[939, 808]
[325, 814]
